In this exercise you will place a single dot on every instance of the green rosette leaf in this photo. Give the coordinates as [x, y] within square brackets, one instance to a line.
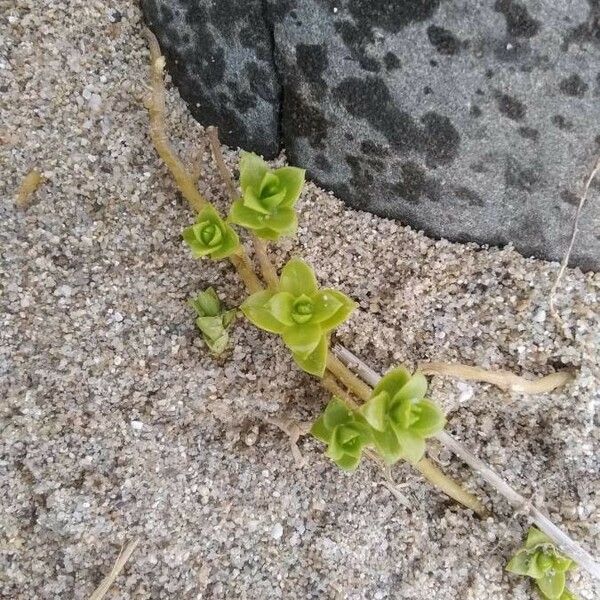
[266, 205]
[210, 236]
[345, 433]
[401, 419]
[301, 313]
[212, 320]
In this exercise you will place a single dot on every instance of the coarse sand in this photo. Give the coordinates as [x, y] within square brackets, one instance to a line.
[117, 424]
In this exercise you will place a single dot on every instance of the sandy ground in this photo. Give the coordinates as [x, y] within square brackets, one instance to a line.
[116, 423]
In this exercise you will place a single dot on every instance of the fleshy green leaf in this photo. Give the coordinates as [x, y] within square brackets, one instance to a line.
[326, 304]
[267, 234]
[292, 180]
[414, 388]
[219, 345]
[342, 313]
[393, 381]
[253, 202]
[336, 413]
[281, 305]
[519, 563]
[430, 419]
[386, 443]
[298, 278]
[206, 303]
[535, 537]
[302, 338]
[552, 585]
[198, 250]
[314, 363]
[562, 563]
[211, 327]
[348, 462]
[228, 317]
[320, 430]
[282, 220]
[252, 170]
[246, 217]
[413, 446]
[259, 314]
[374, 411]
[228, 246]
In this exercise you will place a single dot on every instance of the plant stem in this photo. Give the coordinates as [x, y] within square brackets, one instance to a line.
[348, 378]
[260, 247]
[183, 178]
[505, 380]
[186, 185]
[450, 487]
[522, 504]
[245, 269]
[215, 146]
[266, 266]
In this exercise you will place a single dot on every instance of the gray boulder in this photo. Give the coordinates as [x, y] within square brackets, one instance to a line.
[474, 121]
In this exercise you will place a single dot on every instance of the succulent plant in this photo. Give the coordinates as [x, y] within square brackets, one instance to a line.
[301, 313]
[212, 321]
[344, 431]
[401, 417]
[541, 560]
[268, 198]
[211, 236]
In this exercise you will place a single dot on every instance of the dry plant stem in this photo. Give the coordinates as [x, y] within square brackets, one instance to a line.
[31, 182]
[186, 184]
[215, 146]
[503, 379]
[183, 178]
[522, 504]
[348, 378]
[123, 557]
[565, 261]
[266, 266]
[430, 471]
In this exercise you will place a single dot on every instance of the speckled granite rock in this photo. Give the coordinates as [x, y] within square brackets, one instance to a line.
[471, 120]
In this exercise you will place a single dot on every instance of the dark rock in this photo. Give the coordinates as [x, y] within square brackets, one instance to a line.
[470, 121]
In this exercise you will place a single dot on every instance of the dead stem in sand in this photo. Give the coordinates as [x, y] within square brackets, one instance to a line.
[505, 380]
[123, 557]
[31, 182]
[565, 260]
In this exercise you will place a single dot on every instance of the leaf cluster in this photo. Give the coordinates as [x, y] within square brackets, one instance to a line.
[395, 421]
[301, 313]
[212, 320]
[540, 560]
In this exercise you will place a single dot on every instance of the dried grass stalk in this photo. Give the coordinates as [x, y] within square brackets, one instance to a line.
[505, 380]
[123, 557]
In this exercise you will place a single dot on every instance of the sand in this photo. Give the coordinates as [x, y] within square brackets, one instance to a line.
[117, 424]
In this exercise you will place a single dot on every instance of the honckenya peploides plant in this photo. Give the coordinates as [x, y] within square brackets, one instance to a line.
[386, 419]
[540, 560]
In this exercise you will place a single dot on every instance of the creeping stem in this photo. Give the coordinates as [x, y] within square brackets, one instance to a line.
[185, 181]
[569, 546]
[428, 469]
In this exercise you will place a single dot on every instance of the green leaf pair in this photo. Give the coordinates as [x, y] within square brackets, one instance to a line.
[344, 431]
[301, 313]
[211, 236]
[395, 421]
[268, 198]
[401, 417]
[212, 321]
[540, 560]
